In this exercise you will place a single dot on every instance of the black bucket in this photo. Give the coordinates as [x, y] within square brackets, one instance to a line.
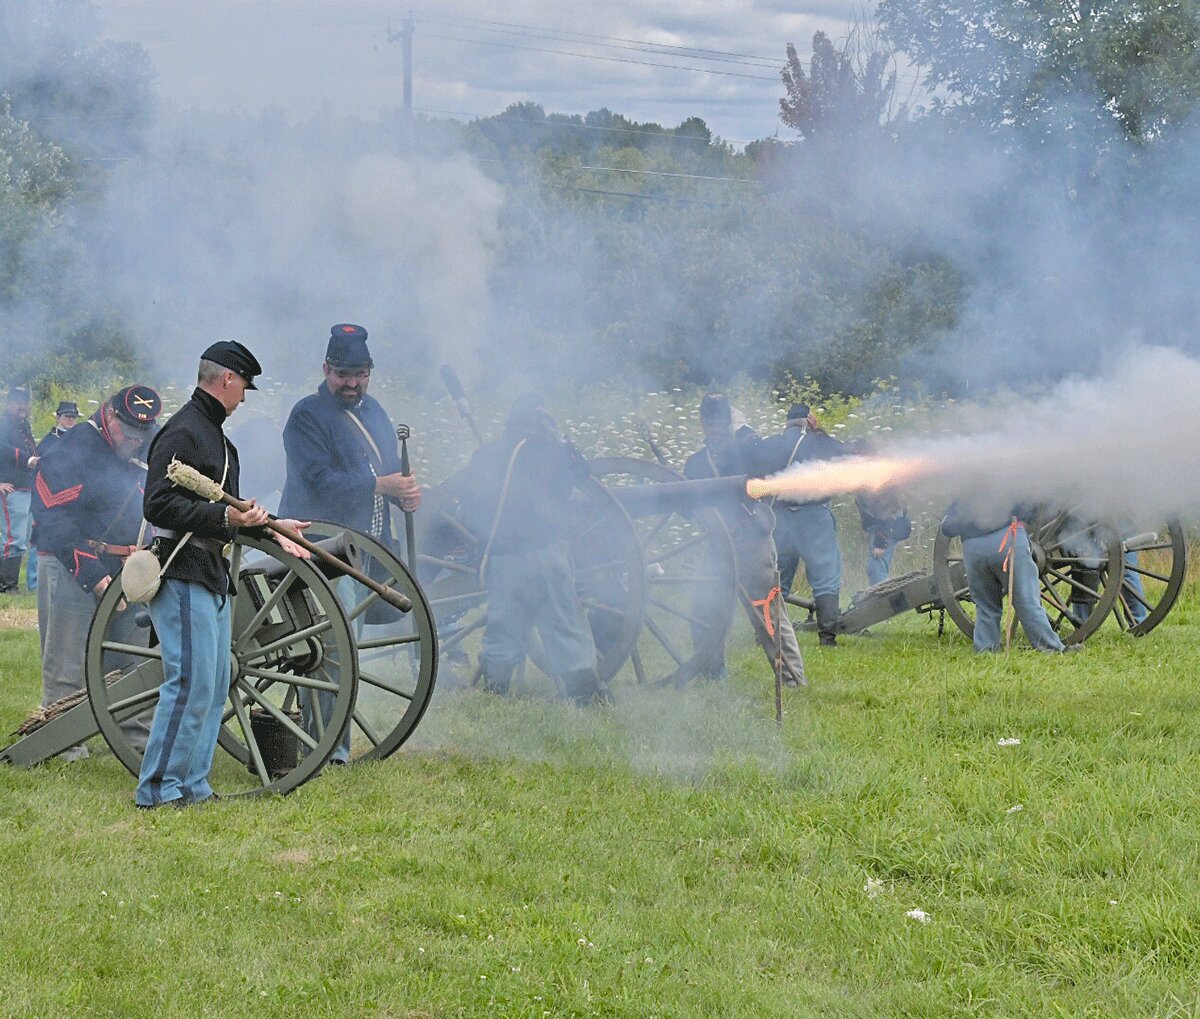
[278, 745]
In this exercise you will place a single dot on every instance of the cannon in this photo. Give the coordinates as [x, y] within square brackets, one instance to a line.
[300, 631]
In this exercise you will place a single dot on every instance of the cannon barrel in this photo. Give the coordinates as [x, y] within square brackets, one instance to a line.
[679, 496]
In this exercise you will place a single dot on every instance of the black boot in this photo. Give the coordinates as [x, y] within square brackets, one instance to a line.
[583, 686]
[10, 573]
[827, 617]
[496, 678]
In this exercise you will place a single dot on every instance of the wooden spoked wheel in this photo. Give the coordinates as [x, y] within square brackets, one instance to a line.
[690, 580]
[290, 639]
[397, 651]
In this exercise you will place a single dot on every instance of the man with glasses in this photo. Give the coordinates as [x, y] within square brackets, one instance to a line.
[87, 503]
[343, 464]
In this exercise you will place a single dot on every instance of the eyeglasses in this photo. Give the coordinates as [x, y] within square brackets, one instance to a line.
[346, 375]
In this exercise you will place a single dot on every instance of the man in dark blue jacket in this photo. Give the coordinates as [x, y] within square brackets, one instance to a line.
[342, 462]
[65, 418]
[87, 503]
[807, 530]
[731, 448]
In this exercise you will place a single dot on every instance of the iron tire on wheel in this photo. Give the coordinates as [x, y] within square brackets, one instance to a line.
[261, 634]
[1161, 583]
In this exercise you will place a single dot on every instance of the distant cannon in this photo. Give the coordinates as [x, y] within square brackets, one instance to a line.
[299, 630]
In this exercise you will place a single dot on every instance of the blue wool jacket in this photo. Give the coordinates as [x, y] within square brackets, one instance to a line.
[86, 492]
[329, 464]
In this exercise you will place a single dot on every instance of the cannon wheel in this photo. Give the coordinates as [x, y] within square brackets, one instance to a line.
[1155, 565]
[1063, 573]
[397, 652]
[609, 580]
[289, 634]
[686, 558]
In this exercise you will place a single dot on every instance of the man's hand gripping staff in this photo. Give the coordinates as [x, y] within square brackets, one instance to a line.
[246, 513]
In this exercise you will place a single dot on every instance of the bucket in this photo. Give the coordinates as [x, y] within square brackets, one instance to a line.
[278, 745]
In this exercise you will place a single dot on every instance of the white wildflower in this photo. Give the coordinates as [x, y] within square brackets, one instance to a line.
[1008, 741]
[1016, 808]
[919, 915]
[873, 887]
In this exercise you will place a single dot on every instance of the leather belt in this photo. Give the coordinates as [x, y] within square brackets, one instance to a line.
[103, 547]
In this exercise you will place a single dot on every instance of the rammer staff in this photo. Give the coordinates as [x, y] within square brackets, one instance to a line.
[188, 477]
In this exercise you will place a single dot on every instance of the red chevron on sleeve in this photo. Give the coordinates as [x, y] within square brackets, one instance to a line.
[52, 499]
[81, 554]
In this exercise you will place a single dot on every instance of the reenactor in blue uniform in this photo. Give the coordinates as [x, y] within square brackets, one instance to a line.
[885, 524]
[342, 463]
[730, 451]
[807, 530]
[515, 500]
[192, 611]
[993, 545]
[65, 418]
[87, 502]
[18, 460]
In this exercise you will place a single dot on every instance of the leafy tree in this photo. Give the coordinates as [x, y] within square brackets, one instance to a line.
[1081, 65]
[846, 90]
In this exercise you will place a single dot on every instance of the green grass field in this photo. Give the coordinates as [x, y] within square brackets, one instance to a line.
[676, 855]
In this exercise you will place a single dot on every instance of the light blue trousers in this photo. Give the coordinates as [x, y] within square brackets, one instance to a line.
[16, 521]
[808, 533]
[879, 567]
[193, 627]
[988, 583]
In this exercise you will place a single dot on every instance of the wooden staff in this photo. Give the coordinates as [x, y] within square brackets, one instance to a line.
[188, 477]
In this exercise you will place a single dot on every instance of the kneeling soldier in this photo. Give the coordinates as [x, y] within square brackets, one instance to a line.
[87, 502]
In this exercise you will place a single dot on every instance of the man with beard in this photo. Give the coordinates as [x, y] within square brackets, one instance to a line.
[87, 502]
[730, 451]
[342, 460]
[18, 459]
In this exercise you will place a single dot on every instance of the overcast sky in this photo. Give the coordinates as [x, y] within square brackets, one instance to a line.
[308, 55]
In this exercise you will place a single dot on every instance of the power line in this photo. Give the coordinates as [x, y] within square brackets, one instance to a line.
[771, 61]
[658, 48]
[597, 56]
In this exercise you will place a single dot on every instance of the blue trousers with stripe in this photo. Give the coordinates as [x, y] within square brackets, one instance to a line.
[193, 627]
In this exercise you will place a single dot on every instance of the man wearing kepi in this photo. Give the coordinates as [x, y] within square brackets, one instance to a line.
[807, 530]
[65, 418]
[342, 461]
[87, 503]
[732, 448]
[191, 610]
[18, 458]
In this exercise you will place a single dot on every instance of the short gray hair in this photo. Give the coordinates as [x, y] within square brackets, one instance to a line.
[210, 372]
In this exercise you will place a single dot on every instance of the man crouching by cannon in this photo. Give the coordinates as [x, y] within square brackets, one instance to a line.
[87, 504]
[730, 451]
[191, 611]
[515, 494]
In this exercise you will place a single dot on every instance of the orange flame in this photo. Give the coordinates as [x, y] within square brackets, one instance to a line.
[824, 478]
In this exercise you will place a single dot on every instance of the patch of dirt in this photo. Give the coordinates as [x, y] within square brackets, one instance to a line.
[294, 857]
[14, 617]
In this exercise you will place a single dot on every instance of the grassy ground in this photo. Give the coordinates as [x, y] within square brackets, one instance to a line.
[673, 856]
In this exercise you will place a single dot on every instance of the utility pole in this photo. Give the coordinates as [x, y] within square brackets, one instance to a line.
[405, 37]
